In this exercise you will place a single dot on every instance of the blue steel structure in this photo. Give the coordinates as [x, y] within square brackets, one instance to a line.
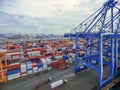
[97, 41]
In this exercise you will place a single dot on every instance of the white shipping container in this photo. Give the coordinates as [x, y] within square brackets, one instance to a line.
[28, 62]
[13, 76]
[56, 84]
[70, 60]
[23, 67]
[49, 57]
[44, 61]
[29, 49]
[22, 55]
[35, 69]
[25, 74]
[70, 54]
[59, 57]
[15, 53]
[74, 47]
[22, 58]
[49, 61]
[29, 65]
[16, 57]
[67, 61]
[3, 50]
[49, 68]
[17, 63]
[33, 54]
[8, 56]
[29, 53]
[36, 53]
[63, 48]
[34, 44]
[73, 56]
[49, 50]
[45, 66]
[40, 69]
[55, 61]
[29, 72]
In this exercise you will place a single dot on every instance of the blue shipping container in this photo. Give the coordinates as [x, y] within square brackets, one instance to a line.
[40, 65]
[34, 46]
[29, 69]
[59, 49]
[65, 57]
[28, 62]
[13, 72]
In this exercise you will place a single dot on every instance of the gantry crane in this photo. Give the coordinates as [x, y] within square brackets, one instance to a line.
[2, 67]
[100, 32]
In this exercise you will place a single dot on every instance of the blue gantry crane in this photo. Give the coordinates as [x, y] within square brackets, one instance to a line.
[97, 41]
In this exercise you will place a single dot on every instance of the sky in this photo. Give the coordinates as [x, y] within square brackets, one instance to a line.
[46, 16]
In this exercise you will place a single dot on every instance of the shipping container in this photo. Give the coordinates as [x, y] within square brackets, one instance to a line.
[23, 69]
[44, 62]
[14, 66]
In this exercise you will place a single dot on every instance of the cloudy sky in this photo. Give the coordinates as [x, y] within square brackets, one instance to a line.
[46, 16]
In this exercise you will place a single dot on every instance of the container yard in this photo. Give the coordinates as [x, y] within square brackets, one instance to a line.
[84, 58]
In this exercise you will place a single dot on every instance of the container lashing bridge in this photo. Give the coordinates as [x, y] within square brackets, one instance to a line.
[96, 41]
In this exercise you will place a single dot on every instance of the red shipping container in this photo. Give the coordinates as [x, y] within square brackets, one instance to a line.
[55, 64]
[34, 65]
[62, 68]
[23, 72]
[13, 67]
[15, 60]
[42, 56]
[15, 56]
[62, 63]
[48, 54]
[36, 49]
[35, 61]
